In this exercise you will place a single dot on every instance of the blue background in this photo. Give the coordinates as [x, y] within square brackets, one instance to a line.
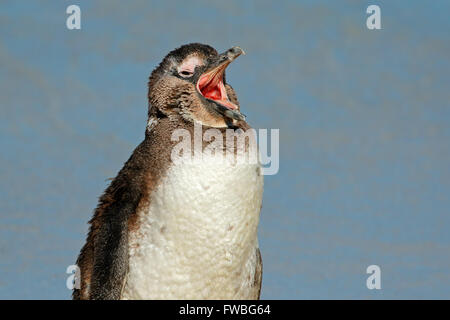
[364, 134]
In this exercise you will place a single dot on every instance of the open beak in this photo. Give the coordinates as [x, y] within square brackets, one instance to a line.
[210, 84]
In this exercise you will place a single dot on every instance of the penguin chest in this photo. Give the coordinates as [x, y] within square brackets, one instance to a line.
[197, 238]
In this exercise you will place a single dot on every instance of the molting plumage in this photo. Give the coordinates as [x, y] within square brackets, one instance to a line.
[168, 230]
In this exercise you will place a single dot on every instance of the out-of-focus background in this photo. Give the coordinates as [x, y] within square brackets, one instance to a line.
[364, 134]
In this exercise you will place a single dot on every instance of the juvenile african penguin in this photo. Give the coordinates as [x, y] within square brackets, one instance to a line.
[167, 229]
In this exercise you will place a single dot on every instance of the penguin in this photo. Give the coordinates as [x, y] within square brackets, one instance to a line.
[166, 229]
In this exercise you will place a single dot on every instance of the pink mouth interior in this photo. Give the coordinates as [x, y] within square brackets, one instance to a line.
[211, 86]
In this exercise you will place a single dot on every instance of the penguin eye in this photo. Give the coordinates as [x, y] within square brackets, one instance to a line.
[186, 68]
[185, 73]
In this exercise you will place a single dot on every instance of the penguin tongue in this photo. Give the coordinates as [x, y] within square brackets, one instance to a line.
[211, 87]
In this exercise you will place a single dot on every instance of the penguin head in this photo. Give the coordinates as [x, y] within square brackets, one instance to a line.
[190, 82]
